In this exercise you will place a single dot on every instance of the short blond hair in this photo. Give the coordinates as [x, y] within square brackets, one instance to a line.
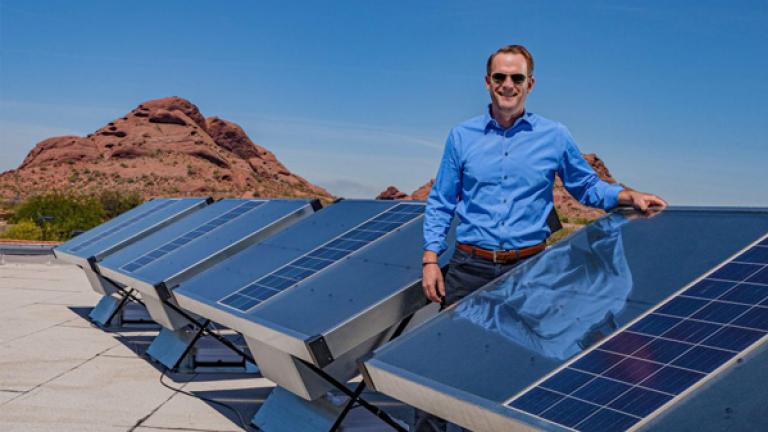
[512, 49]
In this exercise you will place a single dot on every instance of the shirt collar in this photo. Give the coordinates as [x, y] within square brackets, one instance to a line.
[490, 122]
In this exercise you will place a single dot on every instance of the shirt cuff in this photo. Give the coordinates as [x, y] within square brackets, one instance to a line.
[611, 200]
[433, 247]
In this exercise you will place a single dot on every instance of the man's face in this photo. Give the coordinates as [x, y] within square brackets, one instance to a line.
[507, 96]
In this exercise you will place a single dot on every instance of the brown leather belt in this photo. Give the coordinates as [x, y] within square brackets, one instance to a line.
[502, 256]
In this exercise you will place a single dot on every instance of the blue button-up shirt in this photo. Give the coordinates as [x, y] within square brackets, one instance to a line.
[499, 183]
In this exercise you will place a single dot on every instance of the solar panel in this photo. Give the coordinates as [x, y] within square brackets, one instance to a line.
[123, 225]
[126, 228]
[676, 345]
[189, 236]
[326, 290]
[603, 331]
[207, 236]
[321, 257]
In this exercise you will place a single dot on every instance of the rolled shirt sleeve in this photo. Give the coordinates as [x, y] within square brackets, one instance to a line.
[582, 181]
[442, 200]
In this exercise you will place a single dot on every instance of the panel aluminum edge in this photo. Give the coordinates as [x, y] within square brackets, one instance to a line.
[451, 408]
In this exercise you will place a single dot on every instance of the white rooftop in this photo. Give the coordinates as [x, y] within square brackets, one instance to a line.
[59, 372]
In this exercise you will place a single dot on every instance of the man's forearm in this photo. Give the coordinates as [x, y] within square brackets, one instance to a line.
[429, 257]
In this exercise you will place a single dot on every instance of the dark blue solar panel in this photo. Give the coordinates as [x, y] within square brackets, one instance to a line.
[746, 293]
[654, 325]
[597, 361]
[626, 342]
[756, 318]
[691, 331]
[185, 238]
[606, 420]
[662, 350]
[123, 225]
[636, 371]
[632, 371]
[323, 256]
[682, 306]
[601, 391]
[760, 277]
[733, 338]
[756, 255]
[736, 271]
[567, 381]
[672, 380]
[703, 359]
[720, 312]
[569, 412]
[536, 400]
[328, 254]
[640, 402]
[709, 288]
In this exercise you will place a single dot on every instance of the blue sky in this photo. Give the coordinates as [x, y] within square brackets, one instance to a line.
[356, 96]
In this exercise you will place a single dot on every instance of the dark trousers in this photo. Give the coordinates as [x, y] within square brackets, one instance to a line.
[466, 273]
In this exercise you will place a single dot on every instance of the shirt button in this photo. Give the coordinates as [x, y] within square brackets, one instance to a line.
[505, 177]
[504, 201]
[506, 153]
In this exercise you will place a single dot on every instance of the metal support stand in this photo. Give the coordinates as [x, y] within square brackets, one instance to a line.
[354, 396]
[108, 312]
[173, 349]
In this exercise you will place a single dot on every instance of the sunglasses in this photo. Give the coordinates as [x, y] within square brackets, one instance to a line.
[499, 78]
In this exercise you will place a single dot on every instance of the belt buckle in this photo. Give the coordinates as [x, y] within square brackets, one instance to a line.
[494, 257]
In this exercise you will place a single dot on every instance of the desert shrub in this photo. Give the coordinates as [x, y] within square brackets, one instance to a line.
[117, 202]
[24, 230]
[57, 214]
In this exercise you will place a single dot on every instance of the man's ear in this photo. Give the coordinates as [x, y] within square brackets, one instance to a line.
[487, 82]
[531, 83]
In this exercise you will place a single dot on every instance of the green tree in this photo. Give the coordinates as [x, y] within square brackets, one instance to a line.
[58, 214]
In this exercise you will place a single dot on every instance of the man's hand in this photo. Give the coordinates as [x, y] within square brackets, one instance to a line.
[641, 201]
[432, 278]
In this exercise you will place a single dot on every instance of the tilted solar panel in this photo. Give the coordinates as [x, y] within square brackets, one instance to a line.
[637, 371]
[321, 257]
[155, 264]
[124, 225]
[126, 229]
[624, 324]
[326, 290]
[189, 236]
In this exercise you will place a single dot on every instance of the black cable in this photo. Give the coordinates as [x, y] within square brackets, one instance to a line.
[245, 425]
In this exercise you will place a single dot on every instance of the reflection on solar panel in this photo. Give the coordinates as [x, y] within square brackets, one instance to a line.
[181, 240]
[321, 257]
[679, 343]
[123, 225]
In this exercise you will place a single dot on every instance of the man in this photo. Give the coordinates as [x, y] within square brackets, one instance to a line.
[497, 175]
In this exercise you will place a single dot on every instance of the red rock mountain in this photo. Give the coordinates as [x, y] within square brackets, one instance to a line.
[162, 147]
[567, 206]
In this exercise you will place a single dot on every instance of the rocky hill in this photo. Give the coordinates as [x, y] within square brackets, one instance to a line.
[567, 206]
[162, 147]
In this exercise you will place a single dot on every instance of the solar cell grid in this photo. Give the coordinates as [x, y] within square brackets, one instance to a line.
[323, 256]
[123, 225]
[189, 236]
[635, 372]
